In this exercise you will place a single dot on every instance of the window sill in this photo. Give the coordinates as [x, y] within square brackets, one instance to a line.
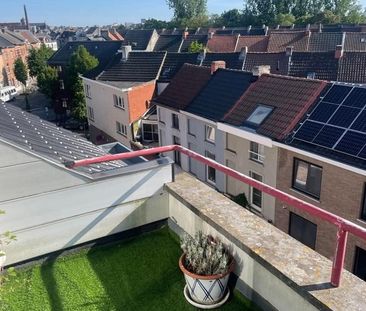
[306, 195]
[256, 161]
[119, 107]
[210, 142]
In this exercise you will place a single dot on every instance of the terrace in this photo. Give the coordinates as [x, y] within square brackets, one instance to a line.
[273, 270]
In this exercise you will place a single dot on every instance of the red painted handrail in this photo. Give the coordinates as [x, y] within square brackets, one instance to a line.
[344, 226]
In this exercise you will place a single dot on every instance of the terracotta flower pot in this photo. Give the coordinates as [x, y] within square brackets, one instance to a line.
[206, 289]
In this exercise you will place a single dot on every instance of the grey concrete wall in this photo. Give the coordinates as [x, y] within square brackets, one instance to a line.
[55, 220]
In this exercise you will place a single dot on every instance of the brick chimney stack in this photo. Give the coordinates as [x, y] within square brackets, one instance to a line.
[216, 65]
[185, 35]
[338, 51]
[210, 35]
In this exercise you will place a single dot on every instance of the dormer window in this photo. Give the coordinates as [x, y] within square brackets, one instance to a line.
[310, 75]
[260, 113]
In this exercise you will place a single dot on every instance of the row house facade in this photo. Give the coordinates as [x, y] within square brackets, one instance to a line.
[254, 136]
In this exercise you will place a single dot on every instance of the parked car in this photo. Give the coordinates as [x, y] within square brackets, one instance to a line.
[75, 125]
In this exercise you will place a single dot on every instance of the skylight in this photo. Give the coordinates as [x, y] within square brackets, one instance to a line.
[259, 114]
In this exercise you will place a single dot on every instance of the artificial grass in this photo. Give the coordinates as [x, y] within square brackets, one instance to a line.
[138, 274]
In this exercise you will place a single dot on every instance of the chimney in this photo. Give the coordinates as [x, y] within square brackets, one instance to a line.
[292, 26]
[278, 27]
[243, 53]
[257, 71]
[307, 33]
[201, 56]
[125, 50]
[185, 35]
[249, 29]
[338, 51]
[289, 50]
[210, 35]
[216, 65]
[266, 30]
[223, 27]
[308, 27]
[320, 27]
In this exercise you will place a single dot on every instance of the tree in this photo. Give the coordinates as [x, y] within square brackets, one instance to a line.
[285, 19]
[153, 23]
[187, 9]
[81, 61]
[196, 47]
[47, 81]
[37, 59]
[21, 74]
[231, 18]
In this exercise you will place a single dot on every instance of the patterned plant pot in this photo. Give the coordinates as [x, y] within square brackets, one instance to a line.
[206, 289]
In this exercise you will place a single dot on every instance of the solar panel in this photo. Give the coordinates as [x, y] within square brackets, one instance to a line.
[337, 94]
[323, 112]
[360, 123]
[357, 98]
[308, 131]
[351, 143]
[362, 154]
[344, 116]
[328, 136]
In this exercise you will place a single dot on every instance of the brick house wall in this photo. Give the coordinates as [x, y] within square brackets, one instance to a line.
[341, 194]
[8, 57]
[139, 98]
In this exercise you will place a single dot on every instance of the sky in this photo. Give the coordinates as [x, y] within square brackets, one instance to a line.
[97, 12]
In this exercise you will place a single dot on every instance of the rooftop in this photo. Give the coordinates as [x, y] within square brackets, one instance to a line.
[287, 98]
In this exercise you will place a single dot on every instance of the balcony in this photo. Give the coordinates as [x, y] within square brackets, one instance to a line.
[274, 271]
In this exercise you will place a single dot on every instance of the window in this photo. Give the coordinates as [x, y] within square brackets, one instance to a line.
[176, 141]
[360, 263]
[189, 125]
[62, 85]
[259, 114]
[210, 133]
[210, 172]
[363, 208]
[255, 194]
[91, 113]
[303, 230]
[150, 132]
[175, 121]
[87, 91]
[121, 128]
[256, 152]
[119, 101]
[64, 103]
[307, 178]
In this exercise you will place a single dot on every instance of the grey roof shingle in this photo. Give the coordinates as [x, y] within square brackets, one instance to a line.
[138, 38]
[45, 139]
[139, 67]
[324, 41]
[352, 67]
[173, 63]
[221, 93]
[104, 51]
[278, 62]
[355, 42]
[231, 59]
[170, 43]
[323, 64]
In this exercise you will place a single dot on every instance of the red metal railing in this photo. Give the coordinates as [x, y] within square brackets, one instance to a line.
[344, 226]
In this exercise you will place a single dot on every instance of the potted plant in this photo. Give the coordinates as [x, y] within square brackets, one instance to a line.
[206, 265]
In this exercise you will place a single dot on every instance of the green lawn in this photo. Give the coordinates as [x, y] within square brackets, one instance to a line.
[137, 274]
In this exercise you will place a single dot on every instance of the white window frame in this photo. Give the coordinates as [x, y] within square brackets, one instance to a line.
[256, 152]
[153, 124]
[252, 189]
[87, 91]
[119, 101]
[121, 128]
[211, 156]
[208, 132]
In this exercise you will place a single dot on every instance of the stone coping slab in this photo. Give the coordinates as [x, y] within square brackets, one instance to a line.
[297, 265]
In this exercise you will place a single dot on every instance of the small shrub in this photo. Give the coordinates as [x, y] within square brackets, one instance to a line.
[205, 255]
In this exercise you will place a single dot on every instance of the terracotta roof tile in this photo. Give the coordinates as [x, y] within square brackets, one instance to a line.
[184, 87]
[222, 43]
[254, 43]
[278, 41]
[289, 97]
